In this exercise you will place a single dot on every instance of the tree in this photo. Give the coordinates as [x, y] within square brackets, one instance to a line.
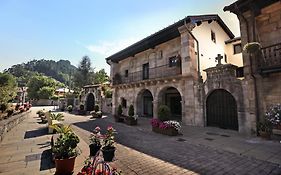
[101, 77]
[8, 87]
[84, 75]
[42, 87]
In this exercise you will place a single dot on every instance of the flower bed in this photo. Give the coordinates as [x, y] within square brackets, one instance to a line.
[273, 115]
[169, 127]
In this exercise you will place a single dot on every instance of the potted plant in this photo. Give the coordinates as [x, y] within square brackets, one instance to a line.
[96, 113]
[65, 152]
[273, 115]
[82, 110]
[95, 141]
[252, 47]
[164, 113]
[69, 108]
[119, 117]
[108, 148]
[265, 129]
[169, 127]
[131, 119]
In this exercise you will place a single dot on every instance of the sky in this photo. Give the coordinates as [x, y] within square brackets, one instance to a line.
[71, 29]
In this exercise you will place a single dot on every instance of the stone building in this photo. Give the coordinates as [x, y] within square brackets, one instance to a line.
[90, 96]
[260, 21]
[170, 66]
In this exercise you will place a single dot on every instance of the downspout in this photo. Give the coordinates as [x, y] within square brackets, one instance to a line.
[198, 57]
[251, 66]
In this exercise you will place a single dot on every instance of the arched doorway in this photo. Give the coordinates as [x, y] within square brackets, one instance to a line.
[145, 103]
[222, 110]
[171, 97]
[90, 102]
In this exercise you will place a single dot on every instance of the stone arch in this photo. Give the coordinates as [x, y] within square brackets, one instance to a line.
[221, 109]
[90, 102]
[144, 103]
[172, 97]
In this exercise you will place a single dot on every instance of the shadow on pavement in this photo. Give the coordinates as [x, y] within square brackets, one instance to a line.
[36, 133]
[44, 145]
[46, 162]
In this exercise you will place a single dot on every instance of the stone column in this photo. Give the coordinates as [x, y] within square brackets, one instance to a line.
[155, 108]
[114, 101]
[189, 59]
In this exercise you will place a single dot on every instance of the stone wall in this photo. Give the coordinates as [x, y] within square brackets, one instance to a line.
[264, 28]
[8, 124]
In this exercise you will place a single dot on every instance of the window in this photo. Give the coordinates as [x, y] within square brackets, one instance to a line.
[240, 72]
[225, 58]
[126, 73]
[124, 102]
[173, 61]
[145, 71]
[160, 54]
[237, 48]
[213, 36]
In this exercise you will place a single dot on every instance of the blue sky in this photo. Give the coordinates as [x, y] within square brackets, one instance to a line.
[70, 29]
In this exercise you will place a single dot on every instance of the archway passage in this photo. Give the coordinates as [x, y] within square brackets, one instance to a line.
[171, 97]
[222, 110]
[90, 102]
[145, 104]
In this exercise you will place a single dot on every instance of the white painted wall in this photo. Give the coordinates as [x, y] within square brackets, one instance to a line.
[232, 58]
[208, 49]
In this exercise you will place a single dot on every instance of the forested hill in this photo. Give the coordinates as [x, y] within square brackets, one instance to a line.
[61, 70]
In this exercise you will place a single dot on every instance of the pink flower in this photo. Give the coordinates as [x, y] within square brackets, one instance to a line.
[97, 129]
[110, 128]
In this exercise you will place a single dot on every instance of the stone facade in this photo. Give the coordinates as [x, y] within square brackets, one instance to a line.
[260, 22]
[182, 83]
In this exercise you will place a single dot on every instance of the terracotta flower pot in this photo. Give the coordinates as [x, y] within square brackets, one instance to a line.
[131, 121]
[64, 166]
[108, 154]
[94, 149]
[167, 131]
[265, 135]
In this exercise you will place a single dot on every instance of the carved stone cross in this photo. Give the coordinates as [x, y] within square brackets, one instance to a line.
[219, 58]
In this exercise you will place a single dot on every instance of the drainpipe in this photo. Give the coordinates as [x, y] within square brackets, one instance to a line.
[198, 57]
[251, 66]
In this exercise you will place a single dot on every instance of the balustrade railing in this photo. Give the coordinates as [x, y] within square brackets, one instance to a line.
[271, 58]
[153, 73]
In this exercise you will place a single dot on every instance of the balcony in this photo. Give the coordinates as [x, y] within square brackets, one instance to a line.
[153, 73]
[271, 61]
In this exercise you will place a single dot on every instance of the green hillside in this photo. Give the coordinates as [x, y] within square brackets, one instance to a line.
[61, 70]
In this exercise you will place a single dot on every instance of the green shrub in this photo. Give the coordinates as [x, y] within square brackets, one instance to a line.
[69, 108]
[81, 107]
[131, 111]
[96, 108]
[119, 110]
[58, 116]
[40, 113]
[3, 107]
[10, 112]
[164, 113]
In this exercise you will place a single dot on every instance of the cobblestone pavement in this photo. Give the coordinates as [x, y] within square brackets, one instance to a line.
[25, 150]
[145, 152]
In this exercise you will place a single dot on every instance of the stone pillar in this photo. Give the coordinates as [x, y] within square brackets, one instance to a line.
[155, 108]
[189, 59]
[114, 101]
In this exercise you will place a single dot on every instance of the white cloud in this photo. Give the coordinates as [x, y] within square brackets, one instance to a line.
[108, 48]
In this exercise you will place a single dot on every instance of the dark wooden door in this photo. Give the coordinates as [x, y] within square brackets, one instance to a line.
[147, 106]
[145, 71]
[222, 110]
[90, 103]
